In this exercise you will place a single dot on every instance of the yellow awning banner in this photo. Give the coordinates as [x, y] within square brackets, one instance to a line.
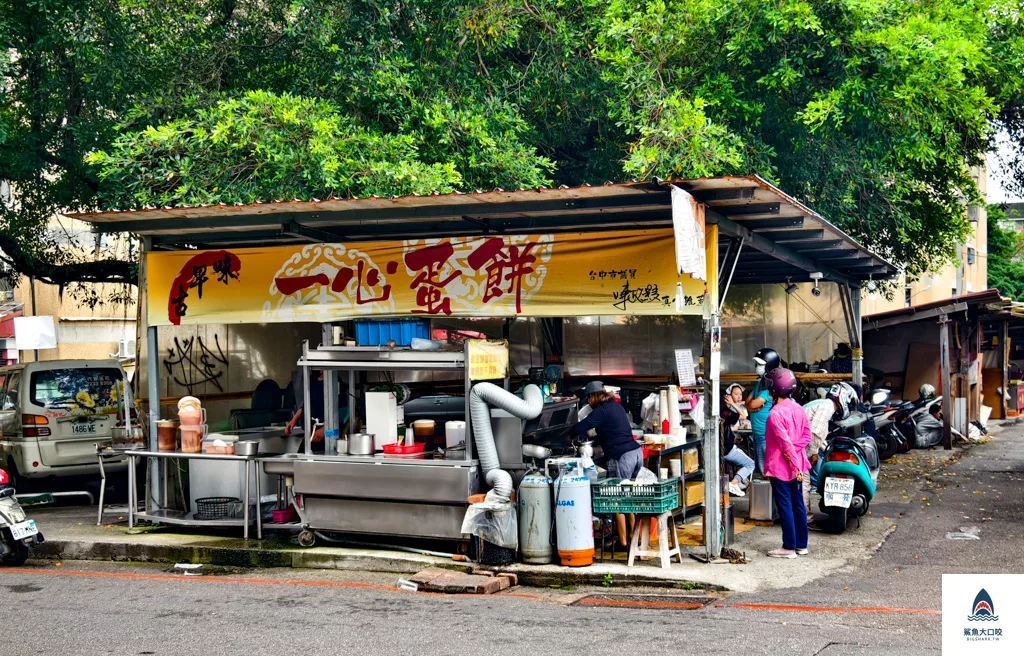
[545, 275]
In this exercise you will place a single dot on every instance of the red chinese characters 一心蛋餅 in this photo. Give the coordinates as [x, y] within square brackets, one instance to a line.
[491, 256]
[429, 285]
[363, 273]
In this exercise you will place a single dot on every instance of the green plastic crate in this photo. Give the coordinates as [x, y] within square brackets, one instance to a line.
[610, 495]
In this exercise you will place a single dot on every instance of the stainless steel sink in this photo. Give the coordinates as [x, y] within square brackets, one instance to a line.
[282, 465]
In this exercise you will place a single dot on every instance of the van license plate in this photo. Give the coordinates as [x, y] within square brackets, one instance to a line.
[83, 429]
[838, 492]
[24, 530]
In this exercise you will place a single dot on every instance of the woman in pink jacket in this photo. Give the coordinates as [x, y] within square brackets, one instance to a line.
[787, 435]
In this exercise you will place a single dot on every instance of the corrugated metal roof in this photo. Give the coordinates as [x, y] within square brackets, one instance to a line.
[747, 207]
[988, 303]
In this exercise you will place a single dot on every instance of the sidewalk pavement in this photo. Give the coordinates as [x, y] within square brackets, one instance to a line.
[71, 534]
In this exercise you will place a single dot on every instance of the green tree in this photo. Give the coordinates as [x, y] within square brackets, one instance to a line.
[871, 111]
[1005, 252]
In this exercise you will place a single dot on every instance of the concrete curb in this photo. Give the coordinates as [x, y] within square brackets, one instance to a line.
[367, 560]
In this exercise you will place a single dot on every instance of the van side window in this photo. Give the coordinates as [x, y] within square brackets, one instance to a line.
[10, 396]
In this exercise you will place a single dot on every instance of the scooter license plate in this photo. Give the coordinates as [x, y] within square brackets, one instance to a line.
[838, 492]
[23, 530]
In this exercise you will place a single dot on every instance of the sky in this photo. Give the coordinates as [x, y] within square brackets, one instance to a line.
[996, 193]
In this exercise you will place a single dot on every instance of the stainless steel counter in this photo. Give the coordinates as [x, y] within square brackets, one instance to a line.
[380, 495]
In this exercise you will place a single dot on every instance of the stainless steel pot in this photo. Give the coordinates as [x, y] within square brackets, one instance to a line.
[360, 444]
[247, 447]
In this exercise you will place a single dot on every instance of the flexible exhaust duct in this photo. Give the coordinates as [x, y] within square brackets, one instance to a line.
[527, 407]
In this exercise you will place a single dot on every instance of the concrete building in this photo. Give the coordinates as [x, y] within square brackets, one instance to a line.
[103, 331]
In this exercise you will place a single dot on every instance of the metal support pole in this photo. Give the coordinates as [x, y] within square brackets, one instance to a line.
[947, 393]
[1004, 362]
[307, 423]
[332, 425]
[712, 452]
[32, 295]
[858, 346]
[153, 392]
[351, 402]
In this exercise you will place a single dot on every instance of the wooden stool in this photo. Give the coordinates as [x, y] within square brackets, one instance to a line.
[642, 533]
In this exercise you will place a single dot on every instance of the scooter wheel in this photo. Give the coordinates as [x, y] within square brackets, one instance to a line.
[307, 538]
[836, 521]
[18, 555]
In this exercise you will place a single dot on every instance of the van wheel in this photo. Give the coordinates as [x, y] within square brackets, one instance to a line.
[20, 483]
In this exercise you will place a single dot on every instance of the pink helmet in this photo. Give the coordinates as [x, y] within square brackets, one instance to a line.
[781, 382]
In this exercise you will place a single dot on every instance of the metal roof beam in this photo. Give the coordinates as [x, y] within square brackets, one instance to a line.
[771, 224]
[312, 235]
[717, 195]
[953, 308]
[455, 212]
[739, 210]
[779, 252]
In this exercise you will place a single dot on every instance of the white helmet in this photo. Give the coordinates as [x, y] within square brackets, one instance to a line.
[927, 391]
[844, 395]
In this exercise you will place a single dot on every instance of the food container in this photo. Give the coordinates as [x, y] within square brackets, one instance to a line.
[403, 449]
[247, 447]
[167, 434]
[454, 433]
[360, 444]
[215, 447]
[192, 438]
[190, 411]
[123, 438]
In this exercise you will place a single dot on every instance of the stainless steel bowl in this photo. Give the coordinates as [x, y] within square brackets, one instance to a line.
[247, 447]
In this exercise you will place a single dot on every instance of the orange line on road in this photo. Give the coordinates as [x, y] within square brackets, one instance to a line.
[371, 586]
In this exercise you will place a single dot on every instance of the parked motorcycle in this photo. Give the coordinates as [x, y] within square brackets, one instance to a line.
[849, 474]
[17, 533]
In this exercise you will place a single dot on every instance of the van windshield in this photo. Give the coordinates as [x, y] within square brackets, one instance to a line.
[79, 391]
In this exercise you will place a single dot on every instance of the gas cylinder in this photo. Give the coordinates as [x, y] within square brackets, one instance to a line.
[574, 528]
[535, 518]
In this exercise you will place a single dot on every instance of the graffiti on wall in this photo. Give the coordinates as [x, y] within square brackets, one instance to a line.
[192, 363]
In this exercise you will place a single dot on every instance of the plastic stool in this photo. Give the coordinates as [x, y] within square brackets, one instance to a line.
[642, 534]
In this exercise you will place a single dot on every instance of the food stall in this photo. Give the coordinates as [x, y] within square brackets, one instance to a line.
[632, 250]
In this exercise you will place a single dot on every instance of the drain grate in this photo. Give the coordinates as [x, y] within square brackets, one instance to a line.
[677, 602]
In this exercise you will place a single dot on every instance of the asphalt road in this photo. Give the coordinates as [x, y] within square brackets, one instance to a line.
[96, 608]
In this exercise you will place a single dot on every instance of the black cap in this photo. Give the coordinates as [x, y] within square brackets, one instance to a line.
[593, 387]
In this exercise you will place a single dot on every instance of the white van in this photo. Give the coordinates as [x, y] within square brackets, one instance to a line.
[52, 415]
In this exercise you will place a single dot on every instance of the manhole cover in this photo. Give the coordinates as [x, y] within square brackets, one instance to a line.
[679, 602]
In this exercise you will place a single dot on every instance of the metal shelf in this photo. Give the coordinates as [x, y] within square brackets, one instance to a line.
[377, 358]
[179, 518]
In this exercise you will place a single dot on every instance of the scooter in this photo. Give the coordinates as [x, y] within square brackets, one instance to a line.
[17, 533]
[849, 474]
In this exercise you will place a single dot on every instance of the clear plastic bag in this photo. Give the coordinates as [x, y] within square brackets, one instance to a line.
[494, 519]
[646, 477]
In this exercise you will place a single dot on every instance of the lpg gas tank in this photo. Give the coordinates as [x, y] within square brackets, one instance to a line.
[574, 528]
[535, 519]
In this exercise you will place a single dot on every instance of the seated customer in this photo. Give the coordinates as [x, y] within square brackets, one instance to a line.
[928, 432]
